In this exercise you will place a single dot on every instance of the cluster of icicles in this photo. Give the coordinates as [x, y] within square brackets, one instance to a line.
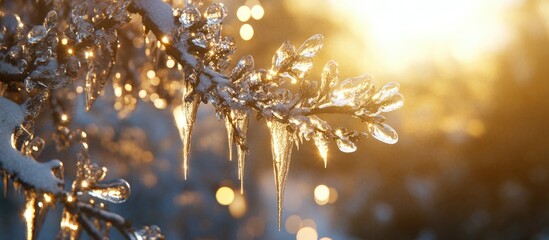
[286, 98]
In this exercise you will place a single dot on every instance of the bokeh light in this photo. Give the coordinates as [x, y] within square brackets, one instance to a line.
[243, 13]
[257, 12]
[224, 196]
[322, 194]
[246, 32]
[307, 233]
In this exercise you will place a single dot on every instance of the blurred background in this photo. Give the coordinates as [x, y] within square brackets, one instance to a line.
[472, 161]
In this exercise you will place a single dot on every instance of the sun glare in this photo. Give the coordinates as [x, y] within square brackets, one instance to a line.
[401, 33]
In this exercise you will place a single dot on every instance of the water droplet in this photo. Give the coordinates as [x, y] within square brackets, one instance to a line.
[383, 132]
[321, 143]
[302, 67]
[115, 191]
[36, 34]
[200, 40]
[392, 103]
[388, 90]
[281, 147]
[283, 55]
[245, 65]
[311, 46]
[185, 116]
[189, 16]
[215, 13]
[345, 145]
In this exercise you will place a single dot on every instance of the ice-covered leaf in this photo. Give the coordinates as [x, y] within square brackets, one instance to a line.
[353, 92]
[392, 103]
[283, 55]
[281, 148]
[244, 65]
[115, 191]
[345, 145]
[311, 46]
[385, 92]
[302, 67]
[383, 132]
[36, 34]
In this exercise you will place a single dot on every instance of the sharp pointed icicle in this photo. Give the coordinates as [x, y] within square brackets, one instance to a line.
[242, 119]
[185, 116]
[281, 147]
[230, 137]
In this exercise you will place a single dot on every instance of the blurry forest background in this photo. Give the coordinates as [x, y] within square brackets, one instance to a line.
[472, 161]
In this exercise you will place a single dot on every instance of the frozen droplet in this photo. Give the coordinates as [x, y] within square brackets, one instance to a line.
[44, 56]
[283, 55]
[51, 20]
[115, 191]
[392, 103]
[302, 67]
[79, 11]
[29, 84]
[36, 34]
[329, 78]
[148, 233]
[189, 16]
[385, 92]
[226, 45]
[383, 132]
[281, 148]
[345, 145]
[84, 30]
[200, 40]
[311, 46]
[321, 143]
[245, 65]
[15, 52]
[241, 118]
[185, 116]
[215, 13]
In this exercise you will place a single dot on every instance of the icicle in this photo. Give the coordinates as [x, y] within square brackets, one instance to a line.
[5, 179]
[185, 116]
[69, 226]
[311, 46]
[230, 136]
[322, 144]
[383, 132]
[242, 119]
[281, 147]
[115, 191]
[35, 212]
